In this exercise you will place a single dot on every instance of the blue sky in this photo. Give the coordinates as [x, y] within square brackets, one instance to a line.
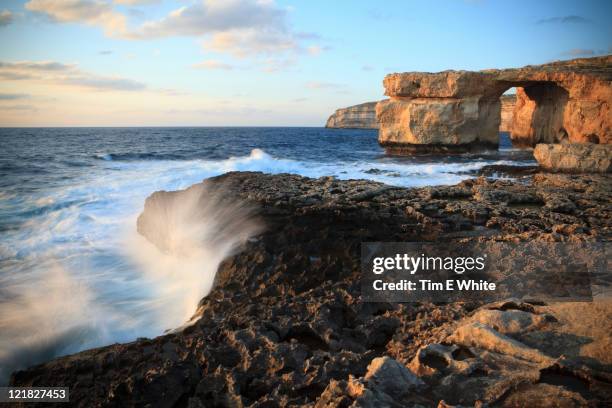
[260, 62]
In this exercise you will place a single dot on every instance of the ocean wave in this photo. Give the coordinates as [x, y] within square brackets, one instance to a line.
[84, 227]
[137, 156]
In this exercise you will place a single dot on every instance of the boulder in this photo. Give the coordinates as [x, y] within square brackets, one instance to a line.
[574, 158]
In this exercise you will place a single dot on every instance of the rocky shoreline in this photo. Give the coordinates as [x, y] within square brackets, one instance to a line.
[285, 324]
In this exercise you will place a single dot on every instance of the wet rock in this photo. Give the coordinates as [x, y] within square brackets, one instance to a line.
[285, 324]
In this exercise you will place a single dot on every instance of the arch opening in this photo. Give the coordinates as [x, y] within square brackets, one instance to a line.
[537, 114]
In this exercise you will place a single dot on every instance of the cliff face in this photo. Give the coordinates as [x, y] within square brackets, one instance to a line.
[567, 101]
[508, 102]
[362, 116]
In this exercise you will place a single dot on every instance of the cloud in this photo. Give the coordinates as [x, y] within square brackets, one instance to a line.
[89, 12]
[6, 18]
[20, 70]
[12, 97]
[17, 108]
[213, 16]
[242, 28]
[136, 2]
[213, 64]
[243, 43]
[105, 52]
[367, 68]
[105, 83]
[65, 74]
[36, 66]
[564, 20]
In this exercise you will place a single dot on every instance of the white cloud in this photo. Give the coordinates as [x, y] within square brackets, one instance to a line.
[90, 12]
[213, 16]
[105, 83]
[36, 66]
[243, 28]
[6, 18]
[213, 64]
[65, 74]
[251, 42]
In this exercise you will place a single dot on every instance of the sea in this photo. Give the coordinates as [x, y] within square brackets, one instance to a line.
[74, 273]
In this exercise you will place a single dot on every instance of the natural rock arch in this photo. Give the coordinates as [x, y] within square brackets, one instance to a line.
[565, 101]
[538, 111]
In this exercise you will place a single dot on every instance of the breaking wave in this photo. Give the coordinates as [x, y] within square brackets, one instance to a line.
[76, 275]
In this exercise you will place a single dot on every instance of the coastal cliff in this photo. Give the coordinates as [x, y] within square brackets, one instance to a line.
[565, 101]
[508, 102]
[286, 323]
[362, 116]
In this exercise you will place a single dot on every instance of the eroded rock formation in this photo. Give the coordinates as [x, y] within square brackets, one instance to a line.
[508, 102]
[574, 157]
[285, 324]
[362, 116]
[566, 101]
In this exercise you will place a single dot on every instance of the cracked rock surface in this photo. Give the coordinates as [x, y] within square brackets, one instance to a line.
[285, 324]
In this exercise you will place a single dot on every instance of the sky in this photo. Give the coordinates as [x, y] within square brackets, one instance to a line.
[260, 62]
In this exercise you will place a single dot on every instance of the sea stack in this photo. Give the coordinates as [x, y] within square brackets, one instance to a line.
[457, 111]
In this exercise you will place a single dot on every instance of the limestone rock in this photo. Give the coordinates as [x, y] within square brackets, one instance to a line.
[286, 325]
[392, 377]
[566, 101]
[387, 383]
[434, 125]
[508, 102]
[510, 321]
[362, 116]
[574, 158]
